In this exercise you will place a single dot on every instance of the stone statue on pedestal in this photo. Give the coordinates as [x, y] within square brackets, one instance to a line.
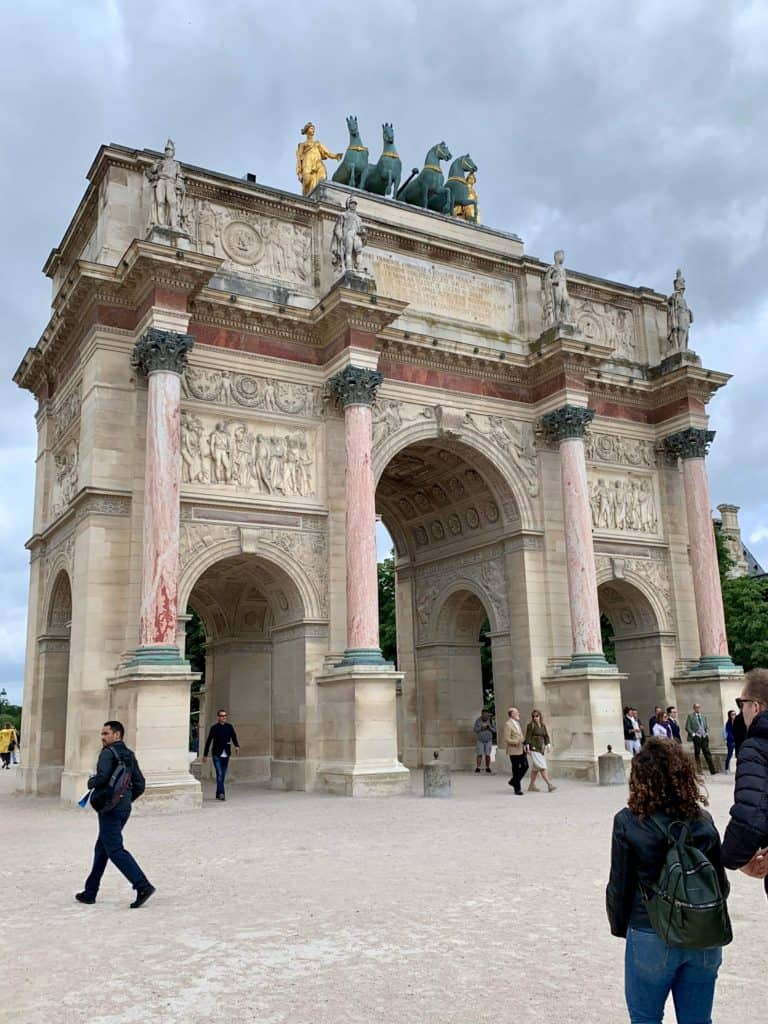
[348, 240]
[169, 188]
[556, 306]
[679, 316]
[310, 169]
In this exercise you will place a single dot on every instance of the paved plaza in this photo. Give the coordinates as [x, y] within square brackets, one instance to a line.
[287, 907]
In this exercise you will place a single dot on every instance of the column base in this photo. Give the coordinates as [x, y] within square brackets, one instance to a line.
[584, 717]
[151, 699]
[39, 780]
[357, 722]
[716, 690]
[582, 662]
[155, 654]
[716, 663]
[365, 656]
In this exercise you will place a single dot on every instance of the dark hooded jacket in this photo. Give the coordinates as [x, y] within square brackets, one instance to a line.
[107, 763]
[747, 830]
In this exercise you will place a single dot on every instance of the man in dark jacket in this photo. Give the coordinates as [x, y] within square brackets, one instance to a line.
[746, 838]
[109, 844]
[221, 736]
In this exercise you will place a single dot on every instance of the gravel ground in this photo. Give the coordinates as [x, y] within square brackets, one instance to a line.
[287, 908]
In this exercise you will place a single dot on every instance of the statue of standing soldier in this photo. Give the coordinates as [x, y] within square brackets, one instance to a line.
[557, 306]
[169, 188]
[679, 316]
[348, 239]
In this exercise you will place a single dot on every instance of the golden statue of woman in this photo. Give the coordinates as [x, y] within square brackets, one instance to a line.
[310, 169]
[468, 212]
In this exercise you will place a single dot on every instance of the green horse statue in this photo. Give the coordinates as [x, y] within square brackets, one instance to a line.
[384, 177]
[426, 188]
[459, 186]
[353, 168]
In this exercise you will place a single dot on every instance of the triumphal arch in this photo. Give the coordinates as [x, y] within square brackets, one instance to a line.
[235, 381]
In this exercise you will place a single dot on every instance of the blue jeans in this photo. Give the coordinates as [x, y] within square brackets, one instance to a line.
[652, 970]
[731, 750]
[109, 847]
[220, 764]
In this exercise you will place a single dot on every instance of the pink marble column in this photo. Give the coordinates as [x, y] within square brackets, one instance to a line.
[691, 446]
[567, 426]
[356, 387]
[162, 356]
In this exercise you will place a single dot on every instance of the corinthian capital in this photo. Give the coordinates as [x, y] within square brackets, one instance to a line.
[567, 422]
[355, 385]
[162, 350]
[691, 443]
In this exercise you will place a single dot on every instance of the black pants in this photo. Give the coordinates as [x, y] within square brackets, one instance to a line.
[6, 759]
[701, 746]
[519, 768]
[109, 847]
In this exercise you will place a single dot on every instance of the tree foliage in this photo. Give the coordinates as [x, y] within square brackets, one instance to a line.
[745, 602]
[387, 623]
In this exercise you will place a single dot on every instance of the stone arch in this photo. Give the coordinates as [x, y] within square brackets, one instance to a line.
[59, 609]
[644, 649]
[452, 602]
[505, 481]
[640, 594]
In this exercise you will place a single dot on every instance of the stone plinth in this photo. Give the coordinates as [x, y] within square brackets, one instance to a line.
[357, 714]
[716, 691]
[437, 779]
[152, 702]
[610, 769]
[175, 237]
[585, 716]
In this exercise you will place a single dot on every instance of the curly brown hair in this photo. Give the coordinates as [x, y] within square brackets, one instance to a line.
[663, 781]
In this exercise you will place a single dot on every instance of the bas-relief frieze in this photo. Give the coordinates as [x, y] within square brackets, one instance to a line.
[389, 416]
[66, 463]
[250, 244]
[228, 453]
[515, 440]
[474, 298]
[605, 324]
[267, 394]
[626, 503]
[65, 412]
[622, 451]
[481, 567]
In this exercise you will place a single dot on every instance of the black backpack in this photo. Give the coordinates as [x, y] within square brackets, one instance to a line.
[686, 905]
[119, 783]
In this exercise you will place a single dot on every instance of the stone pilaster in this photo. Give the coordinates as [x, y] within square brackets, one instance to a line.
[356, 388]
[567, 427]
[162, 356]
[691, 446]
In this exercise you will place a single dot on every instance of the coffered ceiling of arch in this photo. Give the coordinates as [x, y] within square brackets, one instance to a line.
[432, 497]
[628, 610]
[241, 597]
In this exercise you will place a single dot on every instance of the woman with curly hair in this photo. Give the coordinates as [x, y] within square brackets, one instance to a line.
[662, 784]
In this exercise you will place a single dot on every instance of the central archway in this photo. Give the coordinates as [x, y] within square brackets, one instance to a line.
[252, 613]
[454, 521]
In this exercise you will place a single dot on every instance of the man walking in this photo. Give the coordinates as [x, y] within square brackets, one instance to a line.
[697, 730]
[746, 838]
[221, 736]
[113, 815]
[484, 734]
[514, 745]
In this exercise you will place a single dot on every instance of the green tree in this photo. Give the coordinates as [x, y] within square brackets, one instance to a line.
[194, 652]
[387, 622]
[609, 639]
[9, 712]
[745, 603]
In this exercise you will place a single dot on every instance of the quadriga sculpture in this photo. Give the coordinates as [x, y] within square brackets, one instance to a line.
[426, 188]
[460, 188]
[353, 169]
[383, 178]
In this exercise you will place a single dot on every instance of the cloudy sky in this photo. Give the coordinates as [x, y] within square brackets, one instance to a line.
[631, 135]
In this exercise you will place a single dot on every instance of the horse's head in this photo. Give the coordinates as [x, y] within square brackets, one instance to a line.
[352, 124]
[442, 152]
[468, 164]
[389, 133]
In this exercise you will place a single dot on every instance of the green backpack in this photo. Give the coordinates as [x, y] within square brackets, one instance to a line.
[686, 905]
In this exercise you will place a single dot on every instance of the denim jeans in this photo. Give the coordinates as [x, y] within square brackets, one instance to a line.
[731, 750]
[220, 764]
[109, 847]
[652, 970]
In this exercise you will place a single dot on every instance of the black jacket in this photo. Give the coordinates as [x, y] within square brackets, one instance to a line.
[638, 850]
[747, 830]
[221, 735]
[107, 764]
[629, 729]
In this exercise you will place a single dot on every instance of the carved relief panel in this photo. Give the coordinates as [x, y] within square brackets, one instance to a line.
[223, 387]
[607, 324]
[625, 502]
[481, 568]
[257, 458]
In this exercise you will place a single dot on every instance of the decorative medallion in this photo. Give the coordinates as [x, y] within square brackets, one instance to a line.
[242, 243]
[437, 529]
[420, 535]
[454, 523]
[472, 518]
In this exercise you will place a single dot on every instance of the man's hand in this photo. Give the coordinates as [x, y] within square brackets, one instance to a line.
[205, 760]
[758, 866]
[237, 750]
